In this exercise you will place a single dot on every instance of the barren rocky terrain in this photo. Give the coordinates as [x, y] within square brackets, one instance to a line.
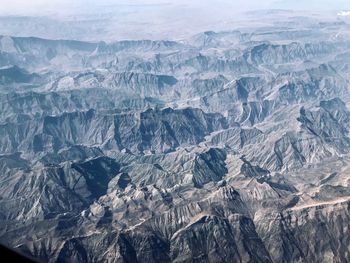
[227, 146]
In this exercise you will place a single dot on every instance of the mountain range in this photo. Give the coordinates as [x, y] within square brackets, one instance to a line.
[226, 146]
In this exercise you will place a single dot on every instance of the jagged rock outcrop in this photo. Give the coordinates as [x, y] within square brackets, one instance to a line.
[227, 146]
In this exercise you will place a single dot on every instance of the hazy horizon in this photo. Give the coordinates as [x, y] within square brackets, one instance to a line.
[66, 7]
[112, 20]
[180, 131]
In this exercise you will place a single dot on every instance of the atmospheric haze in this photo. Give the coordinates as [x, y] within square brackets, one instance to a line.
[175, 132]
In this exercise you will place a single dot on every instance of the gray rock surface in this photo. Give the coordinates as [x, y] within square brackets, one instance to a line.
[226, 146]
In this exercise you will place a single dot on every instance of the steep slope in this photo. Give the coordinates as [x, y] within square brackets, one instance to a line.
[227, 146]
